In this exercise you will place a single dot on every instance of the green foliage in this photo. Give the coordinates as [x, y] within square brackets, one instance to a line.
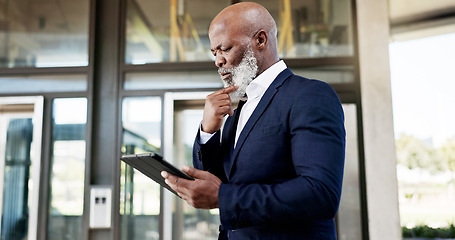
[448, 154]
[415, 153]
[428, 232]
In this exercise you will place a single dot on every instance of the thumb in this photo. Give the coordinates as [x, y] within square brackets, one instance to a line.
[231, 111]
[193, 172]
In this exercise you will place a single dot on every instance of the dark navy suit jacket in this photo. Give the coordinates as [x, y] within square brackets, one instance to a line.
[283, 179]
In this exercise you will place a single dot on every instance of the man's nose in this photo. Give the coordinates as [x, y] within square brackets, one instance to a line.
[220, 60]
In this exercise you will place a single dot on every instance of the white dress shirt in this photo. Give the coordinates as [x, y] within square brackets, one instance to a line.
[254, 92]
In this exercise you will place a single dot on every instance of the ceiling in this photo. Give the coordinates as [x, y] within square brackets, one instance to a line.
[410, 19]
[403, 11]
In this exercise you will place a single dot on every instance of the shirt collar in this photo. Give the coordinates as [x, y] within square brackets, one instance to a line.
[260, 84]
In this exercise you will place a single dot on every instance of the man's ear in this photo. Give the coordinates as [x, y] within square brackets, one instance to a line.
[261, 39]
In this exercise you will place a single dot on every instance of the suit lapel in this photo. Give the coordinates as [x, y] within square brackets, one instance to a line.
[260, 108]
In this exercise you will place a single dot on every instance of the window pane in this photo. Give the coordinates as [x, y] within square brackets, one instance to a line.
[169, 31]
[43, 83]
[176, 31]
[66, 198]
[140, 196]
[42, 33]
[312, 28]
[423, 75]
[16, 141]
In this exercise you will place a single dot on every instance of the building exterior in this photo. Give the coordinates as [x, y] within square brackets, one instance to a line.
[83, 82]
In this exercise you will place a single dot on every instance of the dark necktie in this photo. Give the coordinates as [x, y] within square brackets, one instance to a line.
[229, 138]
[237, 113]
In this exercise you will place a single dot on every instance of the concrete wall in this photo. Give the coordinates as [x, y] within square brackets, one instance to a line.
[379, 144]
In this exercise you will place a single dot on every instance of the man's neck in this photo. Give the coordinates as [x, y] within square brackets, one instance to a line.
[267, 66]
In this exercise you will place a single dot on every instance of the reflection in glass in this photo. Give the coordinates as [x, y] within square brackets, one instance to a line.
[66, 197]
[16, 136]
[177, 30]
[169, 31]
[42, 33]
[43, 83]
[312, 28]
[190, 223]
[140, 196]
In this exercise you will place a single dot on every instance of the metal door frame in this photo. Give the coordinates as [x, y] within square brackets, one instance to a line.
[168, 139]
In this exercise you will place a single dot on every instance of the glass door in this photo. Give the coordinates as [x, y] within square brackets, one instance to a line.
[20, 150]
[183, 113]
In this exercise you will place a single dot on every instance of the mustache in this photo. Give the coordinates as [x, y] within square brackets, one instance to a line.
[228, 81]
[222, 70]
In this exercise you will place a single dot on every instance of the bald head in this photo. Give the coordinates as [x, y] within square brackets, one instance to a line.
[247, 17]
[247, 21]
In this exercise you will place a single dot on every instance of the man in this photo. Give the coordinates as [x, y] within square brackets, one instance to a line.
[277, 171]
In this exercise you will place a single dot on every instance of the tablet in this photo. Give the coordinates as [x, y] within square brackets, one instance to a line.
[151, 165]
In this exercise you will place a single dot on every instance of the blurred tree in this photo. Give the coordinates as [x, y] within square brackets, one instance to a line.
[447, 153]
[415, 153]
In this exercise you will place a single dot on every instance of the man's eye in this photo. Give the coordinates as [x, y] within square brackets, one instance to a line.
[227, 49]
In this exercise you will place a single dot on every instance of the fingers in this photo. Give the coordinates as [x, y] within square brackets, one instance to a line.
[181, 182]
[172, 179]
[200, 193]
[221, 97]
[176, 183]
[195, 173]
[217, 105]
[226, 90]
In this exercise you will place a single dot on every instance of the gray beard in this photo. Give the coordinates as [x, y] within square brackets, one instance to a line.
[242, 75]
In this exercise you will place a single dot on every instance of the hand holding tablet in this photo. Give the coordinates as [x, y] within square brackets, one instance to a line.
[151, 165]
